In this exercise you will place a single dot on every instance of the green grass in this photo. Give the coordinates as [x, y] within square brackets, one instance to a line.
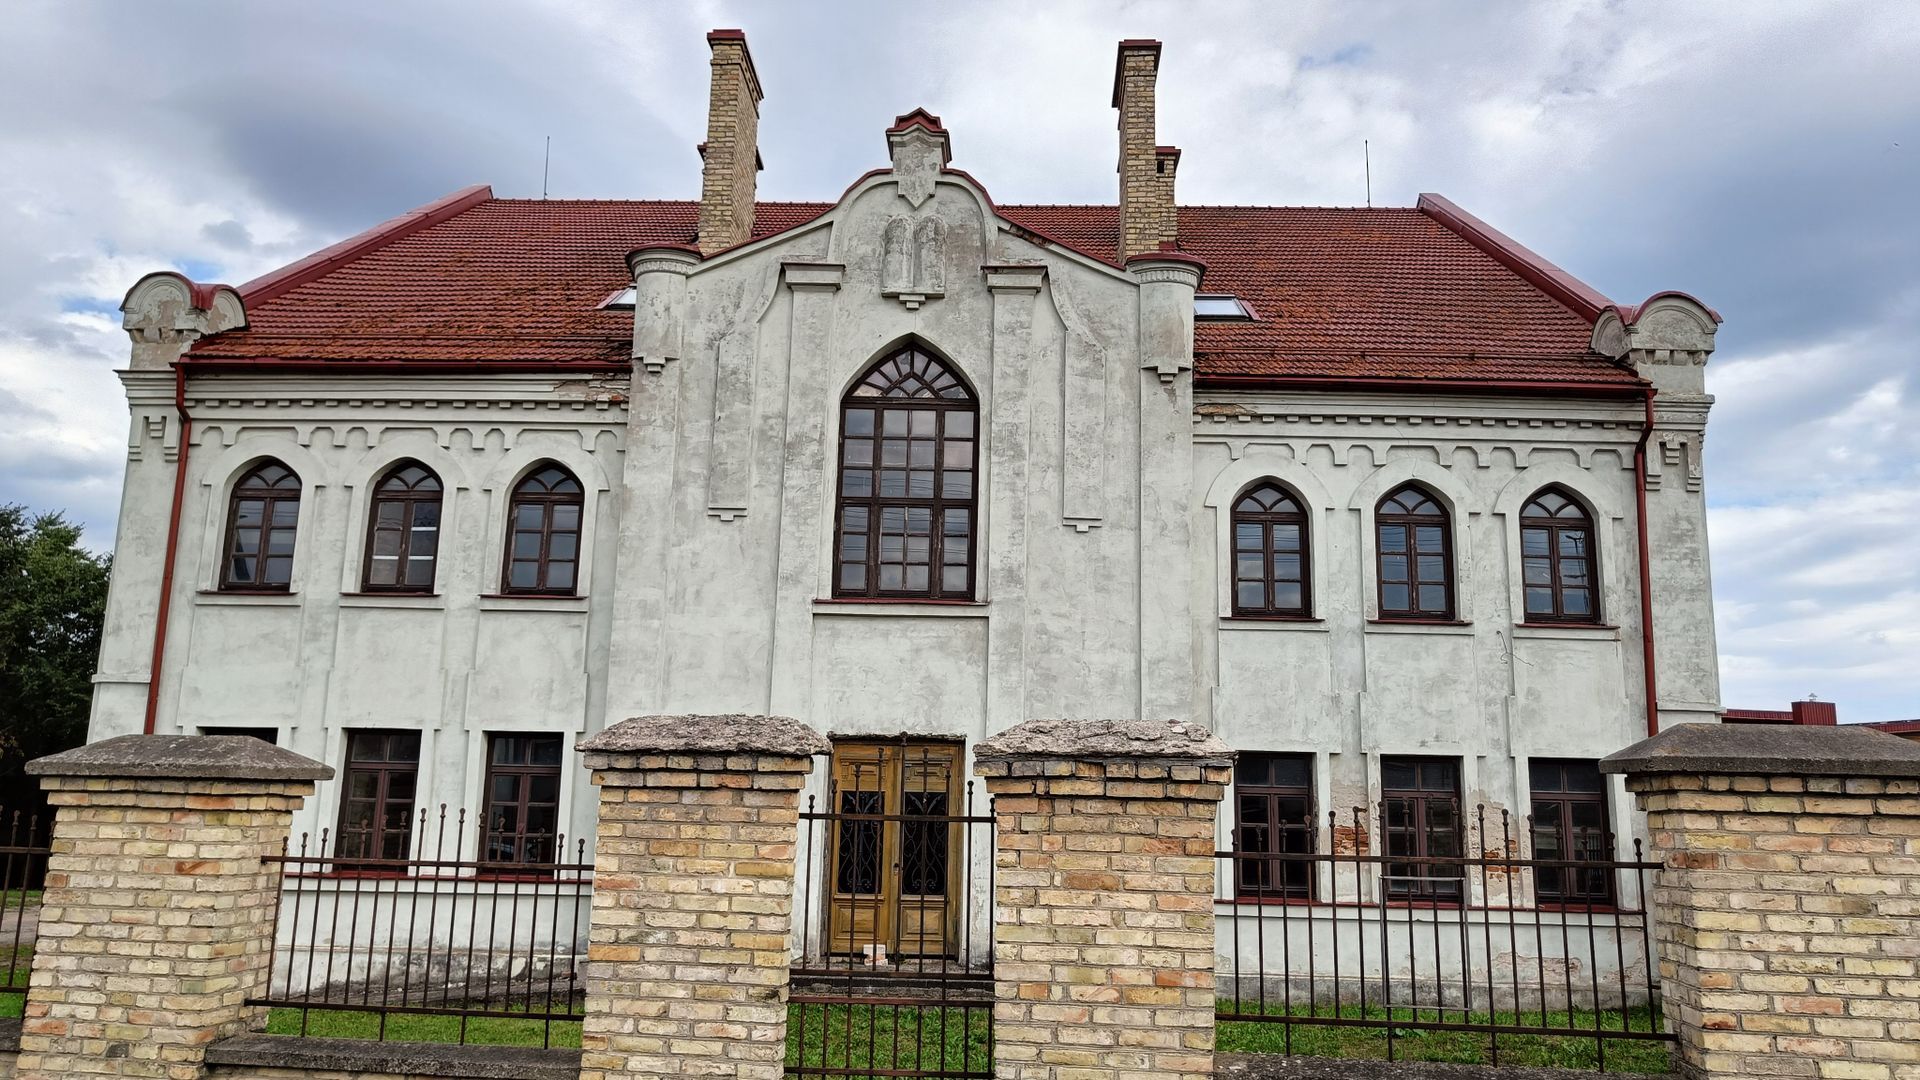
[20, 898]
[889, 1037]
[1461, 1047]
[405, 1027]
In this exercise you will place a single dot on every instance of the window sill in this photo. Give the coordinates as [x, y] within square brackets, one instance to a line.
[531, 602]
[899, 608]
[433, 601]
[261, 598]
[1296, 623]
[1419, 626]
[1567, 631]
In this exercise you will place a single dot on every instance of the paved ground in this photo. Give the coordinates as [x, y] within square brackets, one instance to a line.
[1275, 1067]
[11, 918]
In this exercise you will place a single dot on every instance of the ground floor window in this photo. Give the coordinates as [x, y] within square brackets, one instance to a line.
[1273, 815]
[523, 799]
[376, 809]
[1420, 814]
[1570, 824]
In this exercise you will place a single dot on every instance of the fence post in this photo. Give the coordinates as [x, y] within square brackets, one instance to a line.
[688, 956]
[1103, 898]
[157, 918]
[1788, 909]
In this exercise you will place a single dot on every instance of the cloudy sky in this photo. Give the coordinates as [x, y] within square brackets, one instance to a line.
[1764, 156]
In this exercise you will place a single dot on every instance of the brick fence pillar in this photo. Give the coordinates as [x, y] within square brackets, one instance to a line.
[1788, 911]
[1103, 898]
[688, 955]
[157, 919]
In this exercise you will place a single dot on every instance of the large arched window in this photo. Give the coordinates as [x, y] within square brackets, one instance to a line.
[543, 533]
[1414, 549]
[906, 511]
[1269, 553]
[1557, 559]
[261, 520]
[403, 531]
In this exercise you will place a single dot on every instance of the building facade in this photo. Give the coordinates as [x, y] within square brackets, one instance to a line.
[1409, 516]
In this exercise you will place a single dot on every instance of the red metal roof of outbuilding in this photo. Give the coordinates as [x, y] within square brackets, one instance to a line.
[1341, 294]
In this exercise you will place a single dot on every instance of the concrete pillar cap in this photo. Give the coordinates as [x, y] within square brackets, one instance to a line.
[1768, 750]
[182, 757]
[1107, 739]
[725, 733]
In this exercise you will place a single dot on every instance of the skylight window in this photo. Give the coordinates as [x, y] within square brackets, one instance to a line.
[623, 298]
[1220, 306]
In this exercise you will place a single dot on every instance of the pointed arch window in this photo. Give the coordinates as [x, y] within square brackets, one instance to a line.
[1270, 554]
[1557, 559]
[543, 533]
[1413, 545]
[403, 531]
[262, 518]
[907, 510]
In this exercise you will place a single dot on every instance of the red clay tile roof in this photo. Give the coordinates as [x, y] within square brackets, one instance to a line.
[1340, 294]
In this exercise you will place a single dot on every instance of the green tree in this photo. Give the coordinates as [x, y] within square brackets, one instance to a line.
[53, 598]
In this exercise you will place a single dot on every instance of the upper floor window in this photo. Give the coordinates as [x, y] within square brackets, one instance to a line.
[908, 500]
[1556, 559]
[1269, 553]
[261, 521]
[1415, 556]
[543, 533]
[403, 532]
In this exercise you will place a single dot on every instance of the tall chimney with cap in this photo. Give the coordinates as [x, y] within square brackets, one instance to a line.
[1147, 218]
[731, 152]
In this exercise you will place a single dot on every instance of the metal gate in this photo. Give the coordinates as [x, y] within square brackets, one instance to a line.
[895, 973]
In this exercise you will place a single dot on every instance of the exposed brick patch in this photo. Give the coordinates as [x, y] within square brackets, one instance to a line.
[1103, 917]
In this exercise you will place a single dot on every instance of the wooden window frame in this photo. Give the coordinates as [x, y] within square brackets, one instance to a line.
[1412, 522]
[1266, 520]
[525, 771]
[548, 500]
[407, 501]
[384, 769]
[1273, 794]
[1430, 889]
[270, 497]
[1560, 804]
[1554, 527]
[937, 505]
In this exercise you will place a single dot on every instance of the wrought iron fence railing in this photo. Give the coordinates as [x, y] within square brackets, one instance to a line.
[24, 844]
[1403, 941]
[423, 947]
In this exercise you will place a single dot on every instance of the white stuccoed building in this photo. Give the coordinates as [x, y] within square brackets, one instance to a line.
[1404, 512]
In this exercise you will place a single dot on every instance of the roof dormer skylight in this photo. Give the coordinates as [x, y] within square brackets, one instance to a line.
[621, 299]
[1212, 306]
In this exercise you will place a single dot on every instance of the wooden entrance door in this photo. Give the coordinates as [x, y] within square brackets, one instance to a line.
[893, 859]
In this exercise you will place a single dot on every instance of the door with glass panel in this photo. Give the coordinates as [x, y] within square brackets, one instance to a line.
[893, 863]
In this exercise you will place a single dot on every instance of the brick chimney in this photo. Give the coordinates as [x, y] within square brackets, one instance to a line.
[1147, 220]
[1819, 713]
[732, 150]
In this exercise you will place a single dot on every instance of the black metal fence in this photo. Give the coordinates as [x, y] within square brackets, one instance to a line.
[23, 866]
[894, 976]
[1407, 940]
[422, 948]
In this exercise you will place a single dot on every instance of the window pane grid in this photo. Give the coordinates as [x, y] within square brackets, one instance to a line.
[543, 534]
[1569, 822]
[1557, 560]
[261, 523]
[1414, 557]
[376, 807]
[1273, 796]
[523, 799]
[1420, 815]
[1270, 555]
[403, 541]
[907, 488]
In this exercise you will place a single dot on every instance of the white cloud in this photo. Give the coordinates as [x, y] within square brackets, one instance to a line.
[1761, 156]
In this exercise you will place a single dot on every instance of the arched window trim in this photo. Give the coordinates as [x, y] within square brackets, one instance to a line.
[910, 382]
[1554, 525]
[1266, 520]
[276, 514]
[550, 500]
[409, 500]
[1385, 519]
